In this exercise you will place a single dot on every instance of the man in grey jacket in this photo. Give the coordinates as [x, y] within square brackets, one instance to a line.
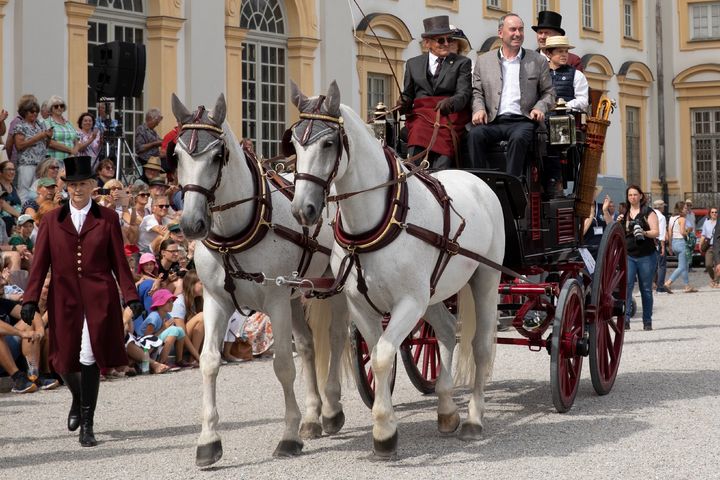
[512, 92]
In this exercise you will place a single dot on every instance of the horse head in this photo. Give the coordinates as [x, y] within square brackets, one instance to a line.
[201, 155]
[318, 140]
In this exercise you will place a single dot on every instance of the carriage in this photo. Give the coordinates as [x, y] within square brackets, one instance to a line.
[568, 310]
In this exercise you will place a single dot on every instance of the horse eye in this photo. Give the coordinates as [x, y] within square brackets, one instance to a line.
[328, 143]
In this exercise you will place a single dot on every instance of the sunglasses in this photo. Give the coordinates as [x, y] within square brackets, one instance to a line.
[62, 105]
[173, 251]
[54, 168]
[163, 206]
[143, 194]
[444, 40]
[116, 188]
[714, 211]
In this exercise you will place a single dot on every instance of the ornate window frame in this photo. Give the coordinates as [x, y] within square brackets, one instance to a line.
[371, 60]
[596, 31]
[684, 30]
[452, 5]
[695, 87]
[637, 39]
[634, 82]
[552, 5]
[504, 7]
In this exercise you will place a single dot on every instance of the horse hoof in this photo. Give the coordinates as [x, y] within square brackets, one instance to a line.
[332, 425]
[448, 422]
[310, 430]
[208, 454]
[288, 448]
[470, 432]
[386, 449]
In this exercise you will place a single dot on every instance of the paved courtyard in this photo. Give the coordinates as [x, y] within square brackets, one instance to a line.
[660, 420]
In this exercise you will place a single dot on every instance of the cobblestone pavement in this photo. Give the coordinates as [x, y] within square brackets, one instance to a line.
[659, 421]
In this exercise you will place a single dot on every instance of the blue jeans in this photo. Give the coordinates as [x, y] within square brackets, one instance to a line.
[644, 269]
[678, 246]
[661, 269]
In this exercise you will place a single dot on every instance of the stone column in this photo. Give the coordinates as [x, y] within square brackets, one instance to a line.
[78, 14]
[162, 66]
[301, 60]
[234, 38]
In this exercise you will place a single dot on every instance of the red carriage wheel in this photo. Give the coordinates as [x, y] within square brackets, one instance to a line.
[609, 294]
[421, 356]
[568, 345]
[362, 369]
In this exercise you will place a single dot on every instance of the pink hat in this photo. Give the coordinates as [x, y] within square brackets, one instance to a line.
[161, 297]
[147, 258]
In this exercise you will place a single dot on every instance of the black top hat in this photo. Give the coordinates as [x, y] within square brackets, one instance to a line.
[549, 19]
[439, 25]
[78, 168]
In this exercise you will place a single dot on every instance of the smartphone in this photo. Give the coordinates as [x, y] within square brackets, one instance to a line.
[103, 191]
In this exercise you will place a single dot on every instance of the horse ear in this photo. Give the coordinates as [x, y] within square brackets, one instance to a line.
[182, 114]
[332, 101]
[220, 110]
[296, 96]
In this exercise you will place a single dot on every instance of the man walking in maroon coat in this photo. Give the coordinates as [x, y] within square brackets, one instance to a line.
[82, 243]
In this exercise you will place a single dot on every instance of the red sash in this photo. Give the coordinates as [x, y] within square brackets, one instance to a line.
[421, 122]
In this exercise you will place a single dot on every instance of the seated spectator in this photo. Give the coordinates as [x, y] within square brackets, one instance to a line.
[159, 322]
[132, 216]
[158, 188]
[105, 171]
[154, 225]
[32, 338]
[186, 315]
[136, 346]
[147, 267]
[236, 338]
[46, 192]
[9, 201]
[151, 170]
[49, 168]
[26, 224]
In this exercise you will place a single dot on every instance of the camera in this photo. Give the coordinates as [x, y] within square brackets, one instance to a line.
[177, 271]
[637, 230]
[103, 191]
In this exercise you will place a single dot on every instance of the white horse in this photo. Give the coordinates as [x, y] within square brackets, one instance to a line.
[243, 239]
[335, 147]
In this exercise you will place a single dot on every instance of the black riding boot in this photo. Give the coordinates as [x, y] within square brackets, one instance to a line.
[90, 382]
[72, 380]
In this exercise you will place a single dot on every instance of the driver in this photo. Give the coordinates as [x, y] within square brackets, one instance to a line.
[436, 81]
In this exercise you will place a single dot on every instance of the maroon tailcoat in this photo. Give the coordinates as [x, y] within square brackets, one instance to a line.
[85, 267]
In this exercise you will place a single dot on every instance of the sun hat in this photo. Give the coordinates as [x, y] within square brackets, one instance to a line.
[161, 297]
[659, 203]
[153, 163]
[174, 227]
[47, 182]
[147, 258]
[23, 219]
[557, 42]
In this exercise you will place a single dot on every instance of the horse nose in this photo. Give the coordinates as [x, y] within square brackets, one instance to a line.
[305, 215]
[200, 225]
[310, 213]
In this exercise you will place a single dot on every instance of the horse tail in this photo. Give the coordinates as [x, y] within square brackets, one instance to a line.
[318, 316]
[465, 364]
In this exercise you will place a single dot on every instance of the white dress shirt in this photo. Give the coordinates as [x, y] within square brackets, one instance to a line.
[78, 215]
[432, 63]
[662, 224]
[510, 98]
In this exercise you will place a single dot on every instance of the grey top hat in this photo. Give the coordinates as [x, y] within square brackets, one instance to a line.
[439, 25]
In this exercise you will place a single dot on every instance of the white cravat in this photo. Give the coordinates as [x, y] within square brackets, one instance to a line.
[78, 215]
[432, 63]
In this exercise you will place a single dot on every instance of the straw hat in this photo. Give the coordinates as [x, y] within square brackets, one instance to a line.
[558, 42]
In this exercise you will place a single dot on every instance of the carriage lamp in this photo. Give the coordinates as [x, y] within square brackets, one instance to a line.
[379, 124]
[561, 125]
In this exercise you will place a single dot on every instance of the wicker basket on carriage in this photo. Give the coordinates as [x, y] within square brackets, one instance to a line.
[590, 163]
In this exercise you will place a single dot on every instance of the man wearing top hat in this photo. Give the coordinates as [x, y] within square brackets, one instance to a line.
[436, 81]
[82, 243]
[548, 25]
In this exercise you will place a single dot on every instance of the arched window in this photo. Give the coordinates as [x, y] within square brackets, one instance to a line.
[124, 21]
[264, 74]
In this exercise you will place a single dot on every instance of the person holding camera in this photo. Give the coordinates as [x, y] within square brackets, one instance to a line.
[641, 230]
[677, 232]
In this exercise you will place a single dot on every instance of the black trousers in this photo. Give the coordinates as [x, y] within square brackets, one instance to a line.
[517, 130]
[437, 161]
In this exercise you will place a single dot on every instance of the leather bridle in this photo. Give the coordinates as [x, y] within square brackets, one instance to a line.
[216, 132]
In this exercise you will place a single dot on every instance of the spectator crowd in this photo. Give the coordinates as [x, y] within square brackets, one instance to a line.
[148, 202]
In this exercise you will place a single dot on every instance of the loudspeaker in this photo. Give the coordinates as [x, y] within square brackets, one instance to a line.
[119, 69]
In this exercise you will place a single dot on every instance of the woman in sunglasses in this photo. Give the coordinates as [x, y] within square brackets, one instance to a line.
[64, 136]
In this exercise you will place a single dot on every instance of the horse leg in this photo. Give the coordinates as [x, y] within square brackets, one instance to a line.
[404, 316]
[284, 366]
[443, 323]
[333, 417]
[209, 449]
[483, 284]
[310, 426]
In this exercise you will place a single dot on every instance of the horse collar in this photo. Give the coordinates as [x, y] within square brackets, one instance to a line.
[391, 225]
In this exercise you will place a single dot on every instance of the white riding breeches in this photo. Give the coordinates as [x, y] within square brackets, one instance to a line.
[86, 353]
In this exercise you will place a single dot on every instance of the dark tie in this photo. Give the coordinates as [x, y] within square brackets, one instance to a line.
[438, 66]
